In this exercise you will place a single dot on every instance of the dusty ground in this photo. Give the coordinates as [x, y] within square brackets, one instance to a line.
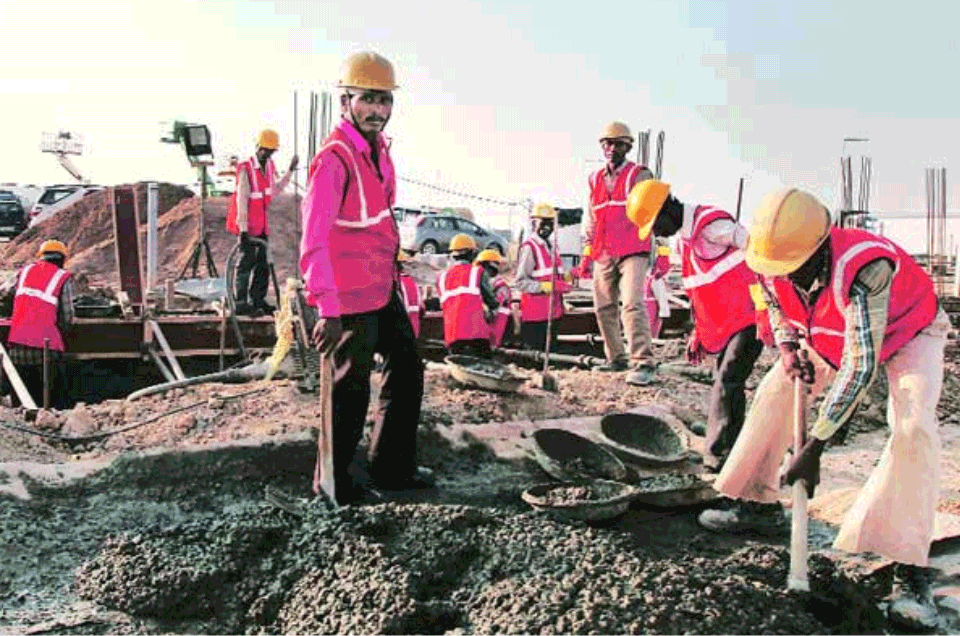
[164, 528]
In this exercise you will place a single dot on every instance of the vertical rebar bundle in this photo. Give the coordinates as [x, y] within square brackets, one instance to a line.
[643, 148]
[937, 256]
[658, 173]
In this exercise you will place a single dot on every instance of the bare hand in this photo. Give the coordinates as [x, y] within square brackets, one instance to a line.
[326, 334]
[695, 350]
[294, 162]
[796, 363]
[806, 465]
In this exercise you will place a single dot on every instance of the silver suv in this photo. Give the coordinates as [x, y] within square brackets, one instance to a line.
[433, 233]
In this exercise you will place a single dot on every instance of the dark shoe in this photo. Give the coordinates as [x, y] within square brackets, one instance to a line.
[642, 376]
[422, 479]
[243, 309]
[747, 517]
[615, 366]
[911, 600]
[265, 307]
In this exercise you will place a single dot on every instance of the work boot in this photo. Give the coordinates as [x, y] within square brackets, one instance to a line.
[421, 479]
[243, 308]
[746, 517]
[643, 375]
[616, 365]
[911, 599]
[265, 307]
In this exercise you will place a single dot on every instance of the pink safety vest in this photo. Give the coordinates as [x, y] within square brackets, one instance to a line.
[261, 193]
[35, 306]
[364, 239]
[536, 307]
[410, 294]
[502, 320]
[913, 302]
[459, 289]
[613, 232]
[719, 288]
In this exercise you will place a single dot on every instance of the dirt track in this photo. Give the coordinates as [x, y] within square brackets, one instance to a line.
[170, 532]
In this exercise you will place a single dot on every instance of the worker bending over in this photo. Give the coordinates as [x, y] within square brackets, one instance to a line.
[540, 275]
[621, 259]
[248, 217]
[42, 312]
[349, 265]
[491, 260]
[861, 303]
[468, 301]
[718, 283]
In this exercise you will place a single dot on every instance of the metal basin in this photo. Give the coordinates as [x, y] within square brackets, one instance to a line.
[646, 436]
[590, 501]
[484, 374]
[566, 456]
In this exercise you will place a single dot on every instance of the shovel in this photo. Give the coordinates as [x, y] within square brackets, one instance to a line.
[325, 478]
[797, 578]
[547, 381]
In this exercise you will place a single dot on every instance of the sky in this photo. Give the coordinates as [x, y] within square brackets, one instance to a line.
[497, 99]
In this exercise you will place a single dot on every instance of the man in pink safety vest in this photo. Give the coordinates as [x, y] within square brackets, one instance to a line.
[42, 316]
[539, 276]
[348, 262]
[718, 284]
[862, 304]
[247, 216]
[468, 301]
[619, 258]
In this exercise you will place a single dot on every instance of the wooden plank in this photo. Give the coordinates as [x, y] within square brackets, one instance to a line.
[126, 232]
[172, 359]
[18, 386]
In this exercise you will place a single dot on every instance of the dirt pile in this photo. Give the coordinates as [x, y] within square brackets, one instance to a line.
[429, 569]
[87, 228]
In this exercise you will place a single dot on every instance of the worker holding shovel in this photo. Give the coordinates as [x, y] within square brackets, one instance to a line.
[349, 252]
[863, 303]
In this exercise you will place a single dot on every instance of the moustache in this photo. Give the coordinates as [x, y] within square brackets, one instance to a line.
[373, 120]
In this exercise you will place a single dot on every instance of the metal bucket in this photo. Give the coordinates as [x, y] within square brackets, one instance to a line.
[590, 501]
[646, 436]
[566, 456]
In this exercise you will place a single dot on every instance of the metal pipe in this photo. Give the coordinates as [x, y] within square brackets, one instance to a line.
[244, 374]
[46, 373]
[739, 198]
[152, 204]
[537, 356]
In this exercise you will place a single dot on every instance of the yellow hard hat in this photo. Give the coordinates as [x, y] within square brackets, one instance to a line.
[644, 203]
[268, 139]
[543, 211]
[488, 256]
[616, 130]
[368, 70]
[788, 227]
[462, 242]
[52, 246]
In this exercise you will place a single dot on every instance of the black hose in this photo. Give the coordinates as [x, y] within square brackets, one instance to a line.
[231, 295]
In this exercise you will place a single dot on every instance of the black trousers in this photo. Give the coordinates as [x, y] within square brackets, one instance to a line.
[253, 259]
[534, 336]
[392, 450]
[728, 401]
[32, 376]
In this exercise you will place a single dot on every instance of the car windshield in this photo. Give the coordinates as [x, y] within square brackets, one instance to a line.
[56, 194]
[8, 206]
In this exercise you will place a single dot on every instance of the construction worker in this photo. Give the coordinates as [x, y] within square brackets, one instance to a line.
[718, 284]
[467, 299]
[862, 303]
[42, 315]
[247, 217]
[539, 275]
[621, 259]
[410, 294]
[349, 252]
[490, 260]
[655, 292]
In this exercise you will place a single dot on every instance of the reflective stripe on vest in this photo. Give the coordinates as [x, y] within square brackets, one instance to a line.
[47, 294]
[365, 219]
[472, 287]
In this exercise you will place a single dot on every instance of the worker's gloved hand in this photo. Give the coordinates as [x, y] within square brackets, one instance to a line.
[569, 277]
[806, 465]
[695, 350]
[326, 334]
[546, 287]
[245, 239]
[796, 363]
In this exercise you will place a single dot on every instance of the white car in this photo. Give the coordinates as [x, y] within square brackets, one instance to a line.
[58, 197]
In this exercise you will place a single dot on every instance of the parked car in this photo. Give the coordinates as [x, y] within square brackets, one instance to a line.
[13, 218]
[57, 197]
[431, 234]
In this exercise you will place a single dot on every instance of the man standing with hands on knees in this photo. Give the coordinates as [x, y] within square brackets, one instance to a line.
[349, 252]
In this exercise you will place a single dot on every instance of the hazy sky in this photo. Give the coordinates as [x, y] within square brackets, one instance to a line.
[498, 99]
